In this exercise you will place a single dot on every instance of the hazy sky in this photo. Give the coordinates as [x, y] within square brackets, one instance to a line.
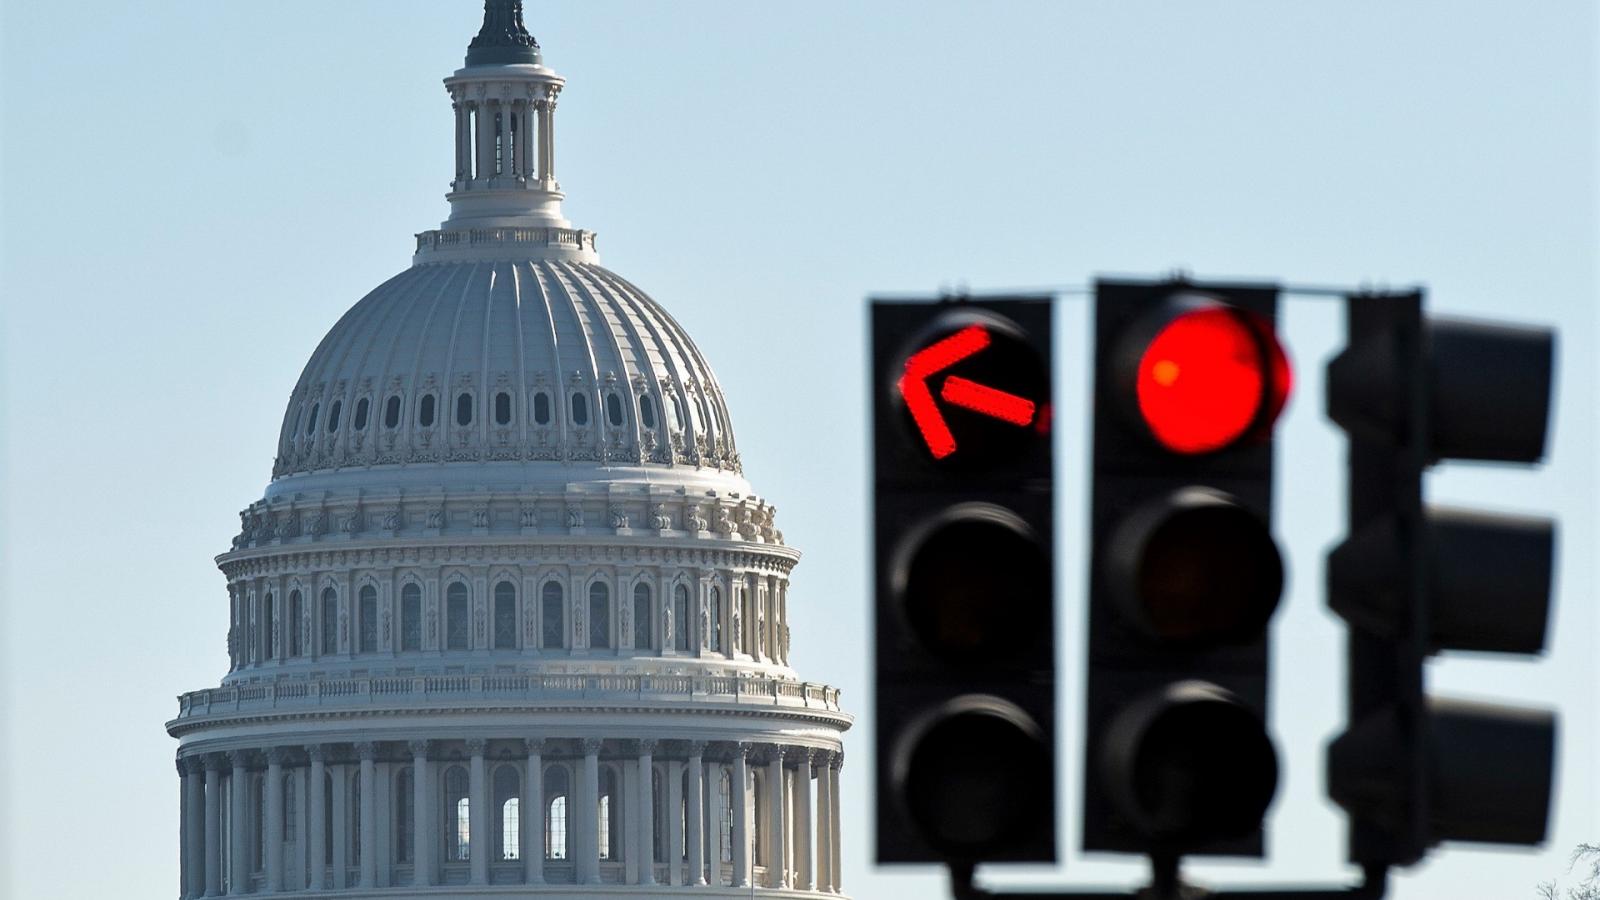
[194, 192]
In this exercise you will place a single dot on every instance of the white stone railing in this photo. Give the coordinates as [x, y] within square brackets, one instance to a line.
[575, 238]
[424, 689]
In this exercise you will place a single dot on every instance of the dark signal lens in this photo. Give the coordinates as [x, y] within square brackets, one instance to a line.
[1196, 567]
[957, 572]
[976, 777]
[1210, 377]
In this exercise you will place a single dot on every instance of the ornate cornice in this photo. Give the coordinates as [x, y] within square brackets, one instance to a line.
[639, 515]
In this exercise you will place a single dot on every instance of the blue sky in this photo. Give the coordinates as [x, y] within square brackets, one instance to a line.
[194, 192]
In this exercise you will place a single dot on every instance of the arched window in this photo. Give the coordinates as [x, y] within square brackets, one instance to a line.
[678, 417]
[551, 613]
[614, 409]
[609, 815]
[647, 411]
[541, 408]
[330, 621]
[333, 416]
[464, 409]
[405, 822]
[269, 622]
[311, 423]
[411, 617]
[556, 787]
[457, 816]
[296, 616]
[391, 413]
[505, 616]
[369, 619]
[425, 412]
[291, 813]
[362, 405]
[725, 797]
[599, 615]
[641, 616]
[502, 408]
[455, 614]
[508, 813]
[681, 625]
[714, 601]
[580, 409]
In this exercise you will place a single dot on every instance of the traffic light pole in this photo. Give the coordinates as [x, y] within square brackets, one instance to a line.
[1168, 885]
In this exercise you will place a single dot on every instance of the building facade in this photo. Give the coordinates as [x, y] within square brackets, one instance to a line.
[508, 620]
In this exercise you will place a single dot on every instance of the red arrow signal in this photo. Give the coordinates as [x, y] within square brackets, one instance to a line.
[957, 391]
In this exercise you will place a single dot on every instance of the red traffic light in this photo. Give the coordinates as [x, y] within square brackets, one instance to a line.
[974, 390]
[1209, 376]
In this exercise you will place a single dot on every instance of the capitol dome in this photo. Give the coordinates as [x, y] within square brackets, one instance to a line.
[508, 620]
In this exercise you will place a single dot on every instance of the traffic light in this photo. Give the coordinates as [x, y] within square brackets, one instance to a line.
[964, 572]
[1184, 572]
[1411, 580]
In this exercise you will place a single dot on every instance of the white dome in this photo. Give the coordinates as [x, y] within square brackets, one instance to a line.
[508, 570]
[520, 364]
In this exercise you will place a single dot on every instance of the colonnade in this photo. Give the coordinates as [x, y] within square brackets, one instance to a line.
[527, 150]
[514, 810]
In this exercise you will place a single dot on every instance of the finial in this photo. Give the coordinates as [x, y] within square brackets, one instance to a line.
[503, 39]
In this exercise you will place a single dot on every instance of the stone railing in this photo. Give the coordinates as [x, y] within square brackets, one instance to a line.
[575, 238]
[422, 690]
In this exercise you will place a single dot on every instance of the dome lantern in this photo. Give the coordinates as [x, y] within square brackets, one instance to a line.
[505, 189]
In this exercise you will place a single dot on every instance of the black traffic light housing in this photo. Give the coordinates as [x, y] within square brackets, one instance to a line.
[964, 566]
[1411, 580]
[1184, 573]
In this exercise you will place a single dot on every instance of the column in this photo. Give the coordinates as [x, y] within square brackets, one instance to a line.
[238, 788]
[368, 752]
[186, 829]
[477, 812]
[777, 858]
[316, 823]
[696, 875]
[533, 814]
[585, 824]
[674, 819]
[485, 139]
[213, 834]
[646, 813]
[423, 816]
[461, 130]
[713, 830]
[741, 803]
[525, 132]
[274, 820]
[802, 822]
[835, 763]
[546, 162]
[341, 826]
[824, 823]
[303, 859]
[194, 827]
